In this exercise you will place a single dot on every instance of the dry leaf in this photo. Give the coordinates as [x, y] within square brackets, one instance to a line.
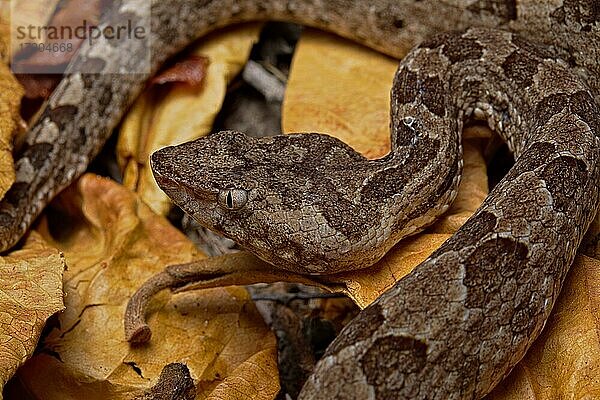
[113, 243]
[30, 292]
[4, 31]
[38, 86]
[190, 71]
[358, 82]
[25, 13]
[10, 100]
[72, 13]
[181, 113]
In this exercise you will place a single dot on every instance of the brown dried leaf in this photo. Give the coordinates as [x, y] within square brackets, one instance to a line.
[10, 100]
[30, 292]
[113, 243]
[191, 71]
[38, 86]
[71, 14]
[4, 31]
[162, 117]
[25, 13]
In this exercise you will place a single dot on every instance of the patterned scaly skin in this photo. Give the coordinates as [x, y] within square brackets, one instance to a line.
[459, 322]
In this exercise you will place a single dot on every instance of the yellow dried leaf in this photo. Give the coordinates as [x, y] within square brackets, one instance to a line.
[113, 243]
[4, 31]
[331, 93]
[179, 113]
[11, 93]
[30, 292]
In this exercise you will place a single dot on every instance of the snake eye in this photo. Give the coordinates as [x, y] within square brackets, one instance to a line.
[233, 199]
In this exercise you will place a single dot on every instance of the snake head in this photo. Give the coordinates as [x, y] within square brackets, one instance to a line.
[267, 194]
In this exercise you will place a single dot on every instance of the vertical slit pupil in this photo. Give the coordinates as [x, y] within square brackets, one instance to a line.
[229, 199]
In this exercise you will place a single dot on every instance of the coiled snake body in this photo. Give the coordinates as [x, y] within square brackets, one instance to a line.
[463, 318]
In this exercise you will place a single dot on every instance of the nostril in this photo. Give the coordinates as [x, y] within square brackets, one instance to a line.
[398, 23]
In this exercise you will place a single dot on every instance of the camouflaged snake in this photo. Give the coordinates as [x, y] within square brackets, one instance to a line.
[458, 323]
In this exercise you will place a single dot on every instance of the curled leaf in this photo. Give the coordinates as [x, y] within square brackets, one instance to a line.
[30, 292]
[72, 14]
[10, 100]
[191, 71]
[358, 89]
[113, 243]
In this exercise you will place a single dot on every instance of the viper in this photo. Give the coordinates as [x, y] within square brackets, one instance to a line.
[458, 323]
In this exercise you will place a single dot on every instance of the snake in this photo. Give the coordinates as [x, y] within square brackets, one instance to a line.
[456, 325]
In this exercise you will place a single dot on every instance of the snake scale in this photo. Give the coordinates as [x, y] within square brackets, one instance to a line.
[455, 326]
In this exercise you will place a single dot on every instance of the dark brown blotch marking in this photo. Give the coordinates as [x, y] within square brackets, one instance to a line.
[559, 15]
[38, 154]
[390, 17]
[470, 233]
[428, 204]
[89, 80]
[6, 220]
[520, 67]
[406, 86]
[504, 9]
[361, 328]
[583, 104]
[564, 177]
[389, 359]
[388, 182]
[447, 183]
[584, 12]
[433, 96]
[80, 139]
[92, 66]
[385, 184]
[531, 48]
[404, 133]
[459, 49]
[535, 156]
[336, 209]
[105, 98]
[487, 267]
[62, 115]
[550, 106]
[455, 47]
[17, 192]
